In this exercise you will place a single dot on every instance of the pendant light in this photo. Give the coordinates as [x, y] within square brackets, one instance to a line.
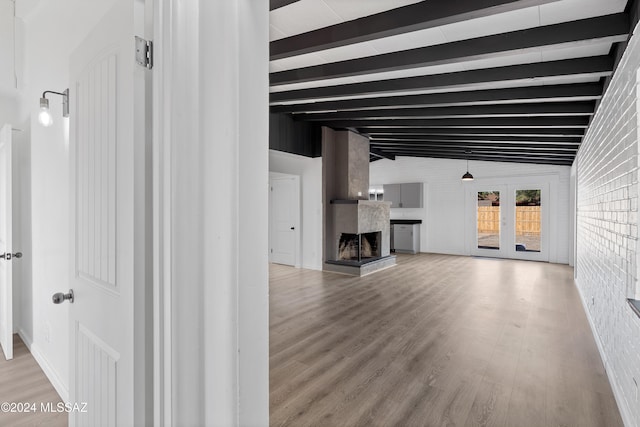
[467, 176]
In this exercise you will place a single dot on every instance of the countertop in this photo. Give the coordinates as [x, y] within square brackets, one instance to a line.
[406, 221]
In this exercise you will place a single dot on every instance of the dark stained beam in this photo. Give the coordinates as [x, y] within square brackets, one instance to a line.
[379, 153]
[584, 108]
[595, 66]
[613, 28]
[414, 17]
[277, 4]
[492, 158]
[483, 132]
[568, 92]
[492, 122]
[510, 139]
[484, 153]
[501, 148]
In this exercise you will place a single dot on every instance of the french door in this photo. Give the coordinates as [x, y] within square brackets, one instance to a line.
[511, 221]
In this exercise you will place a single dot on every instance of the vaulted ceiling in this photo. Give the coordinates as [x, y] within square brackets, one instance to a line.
[497, 80]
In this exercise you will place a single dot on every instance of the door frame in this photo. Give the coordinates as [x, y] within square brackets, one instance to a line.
[232, 386]
[296, 205]
[7, 349]
[550, 212]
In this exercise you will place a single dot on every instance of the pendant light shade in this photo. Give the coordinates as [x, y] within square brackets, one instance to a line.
[467, 176]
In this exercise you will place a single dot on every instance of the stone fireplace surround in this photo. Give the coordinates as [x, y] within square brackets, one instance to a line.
[347, 209]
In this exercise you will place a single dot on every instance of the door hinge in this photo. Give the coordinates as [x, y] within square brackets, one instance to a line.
[271, 250]
[144, 52]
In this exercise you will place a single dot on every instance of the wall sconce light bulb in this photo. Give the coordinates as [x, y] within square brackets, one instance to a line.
[44, 117]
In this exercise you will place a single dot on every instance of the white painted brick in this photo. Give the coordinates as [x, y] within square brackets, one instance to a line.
[607, 228]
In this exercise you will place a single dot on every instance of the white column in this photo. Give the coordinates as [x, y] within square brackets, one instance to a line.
[212, 227]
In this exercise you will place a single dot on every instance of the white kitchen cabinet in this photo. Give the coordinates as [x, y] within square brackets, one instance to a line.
[406, 238]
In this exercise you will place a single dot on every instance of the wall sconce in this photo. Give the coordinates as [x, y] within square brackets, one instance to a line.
[44, 117]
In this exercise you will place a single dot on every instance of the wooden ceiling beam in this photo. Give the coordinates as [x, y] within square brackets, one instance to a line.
[583, 108]
[489, 122]
[380, 131]
[528, 74]
[413, 17]
[612, 28]
[549, 93]
[277, 4]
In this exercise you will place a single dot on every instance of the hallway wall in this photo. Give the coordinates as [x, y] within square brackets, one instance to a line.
[53, 30]
[607, 230]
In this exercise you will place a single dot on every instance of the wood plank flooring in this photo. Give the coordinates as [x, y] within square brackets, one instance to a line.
[22, 381]
[435, 341]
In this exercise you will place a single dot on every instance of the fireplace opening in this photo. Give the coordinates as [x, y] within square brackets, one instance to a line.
[359, 247]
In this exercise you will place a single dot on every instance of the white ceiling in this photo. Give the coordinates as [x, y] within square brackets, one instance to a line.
[307, 15]
[572, 110]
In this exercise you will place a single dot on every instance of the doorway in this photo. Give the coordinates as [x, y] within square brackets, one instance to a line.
[284, 220]
[511, 221]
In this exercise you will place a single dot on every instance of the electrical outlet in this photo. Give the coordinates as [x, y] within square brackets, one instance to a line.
[46, 332]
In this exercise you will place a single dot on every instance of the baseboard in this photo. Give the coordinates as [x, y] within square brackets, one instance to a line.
[312, 267]
[26, 339]
[617, 393]
[51, 374]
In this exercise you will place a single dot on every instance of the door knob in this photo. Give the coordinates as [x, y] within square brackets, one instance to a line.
[9, 255]
[60, 297]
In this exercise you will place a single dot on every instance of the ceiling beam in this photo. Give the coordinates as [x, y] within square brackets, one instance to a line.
[413, 17]
[462, 148]
[613, 28]
[567, 92]
[559, 132]
[490, 122]
[379, 153]
[277, 4]
[584, 108]
[512, 139]
[496, 158]
[484, 153]
[595, 66]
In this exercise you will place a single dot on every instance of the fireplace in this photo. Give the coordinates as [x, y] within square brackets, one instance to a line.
[359, 247]
[356, 230]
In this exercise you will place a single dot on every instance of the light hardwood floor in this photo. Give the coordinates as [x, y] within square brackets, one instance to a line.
[22, 381]
[435, 341]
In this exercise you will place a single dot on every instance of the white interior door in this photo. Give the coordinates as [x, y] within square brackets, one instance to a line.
[511, 221]
[105, 256]
[6, 245]
[285, 219]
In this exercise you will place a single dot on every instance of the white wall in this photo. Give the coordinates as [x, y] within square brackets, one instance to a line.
[310, 172]
[607, 230]
[444, 215]
[7, 45]
[53, 30]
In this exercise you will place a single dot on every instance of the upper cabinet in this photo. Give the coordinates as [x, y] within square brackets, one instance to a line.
[407, 195]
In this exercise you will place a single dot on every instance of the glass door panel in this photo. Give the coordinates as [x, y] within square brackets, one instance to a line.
[488, 220]
[528, 220]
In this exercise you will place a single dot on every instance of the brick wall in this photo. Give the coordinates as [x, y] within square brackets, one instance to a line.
[607, 230]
